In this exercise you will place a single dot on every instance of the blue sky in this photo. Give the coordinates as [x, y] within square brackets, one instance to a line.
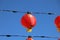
[10, 22]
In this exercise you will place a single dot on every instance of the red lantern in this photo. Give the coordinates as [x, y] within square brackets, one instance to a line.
[57, 23]
[29, 38]
[59, 39]
[28, 21]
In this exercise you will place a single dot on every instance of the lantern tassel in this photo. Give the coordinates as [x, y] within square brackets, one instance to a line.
[58, 29]
[29, 30]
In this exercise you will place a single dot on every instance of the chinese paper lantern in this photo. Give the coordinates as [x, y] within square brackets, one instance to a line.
[29, 38]
[57, 23]
[59, 39]
[28, 21]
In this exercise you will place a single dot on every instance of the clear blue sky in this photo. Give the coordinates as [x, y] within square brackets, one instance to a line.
[10, 22]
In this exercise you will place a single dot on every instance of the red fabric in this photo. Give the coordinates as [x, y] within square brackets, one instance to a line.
[57, 21]
[28, 21]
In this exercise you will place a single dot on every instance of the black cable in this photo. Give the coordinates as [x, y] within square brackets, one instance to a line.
[14, 11]
[27, 36]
